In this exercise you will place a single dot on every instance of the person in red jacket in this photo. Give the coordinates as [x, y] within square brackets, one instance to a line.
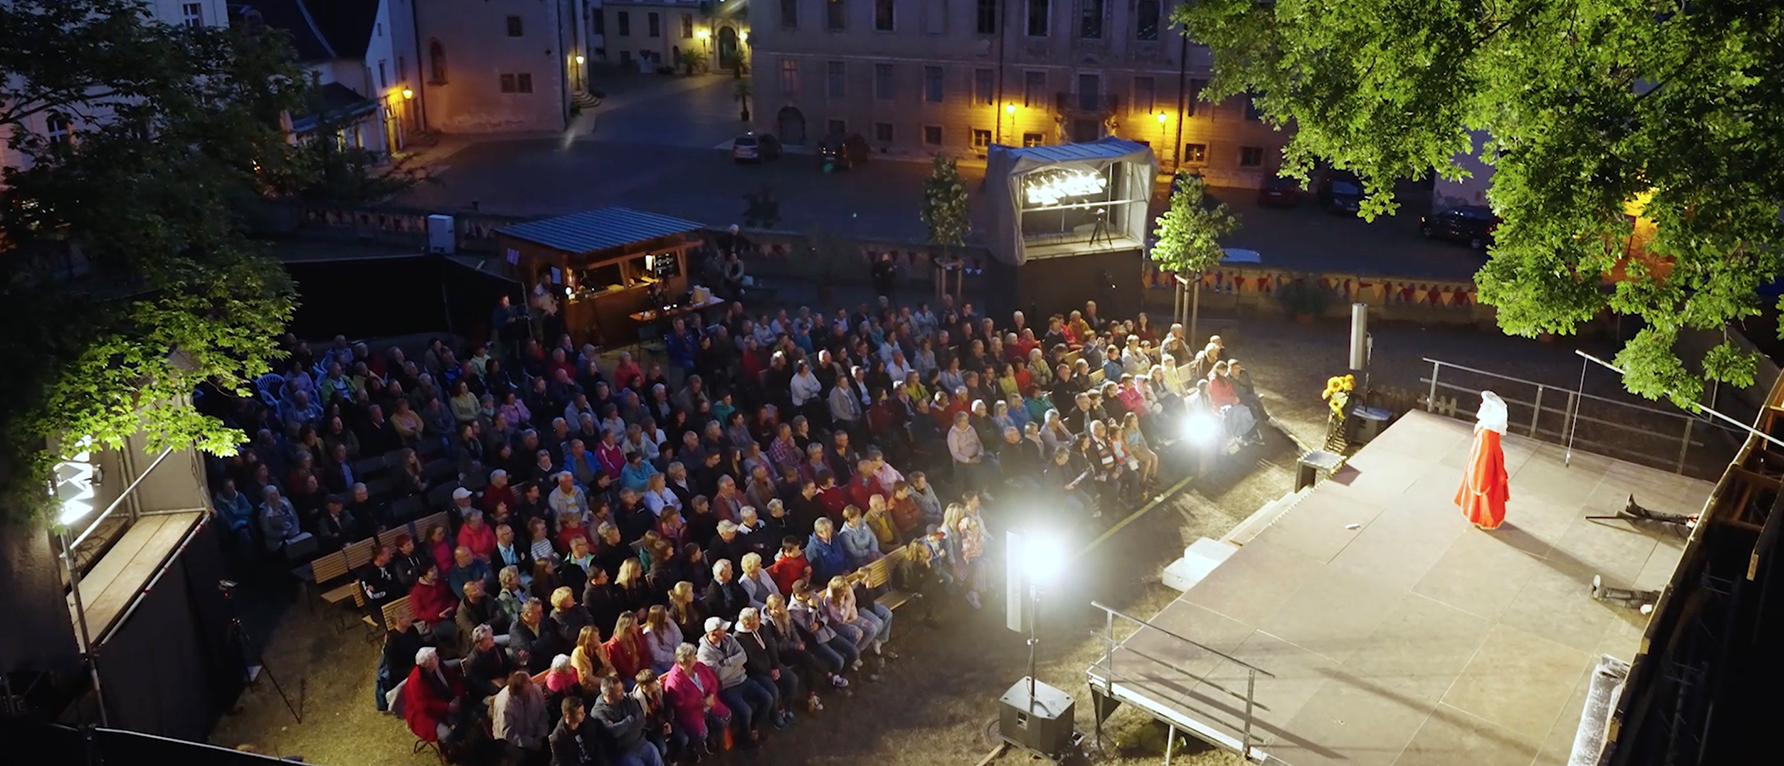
[433, 699]
[433, 604]
[831, 498]
[790, 566]
[864, 486]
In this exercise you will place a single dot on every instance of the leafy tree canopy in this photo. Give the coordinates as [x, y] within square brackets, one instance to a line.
[1591, 107]
[125, 278]
[1188, 233]
[945, 210]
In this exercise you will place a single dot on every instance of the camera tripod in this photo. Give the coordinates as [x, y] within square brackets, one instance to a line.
[246, 645]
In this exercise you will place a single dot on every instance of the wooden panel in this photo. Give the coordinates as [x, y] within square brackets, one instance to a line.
[129, 565]
[394, 608]
[359, 554]
[328, 568]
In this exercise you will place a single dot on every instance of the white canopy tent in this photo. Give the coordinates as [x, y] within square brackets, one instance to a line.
[1068, 199]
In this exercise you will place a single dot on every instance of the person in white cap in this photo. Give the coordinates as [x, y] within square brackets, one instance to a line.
[748, 701]
[461, 504]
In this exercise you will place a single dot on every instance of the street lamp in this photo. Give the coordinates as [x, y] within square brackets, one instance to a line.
[580, 59]
[408, 94]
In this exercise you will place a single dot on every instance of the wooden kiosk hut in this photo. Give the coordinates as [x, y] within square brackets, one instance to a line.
[609, 270]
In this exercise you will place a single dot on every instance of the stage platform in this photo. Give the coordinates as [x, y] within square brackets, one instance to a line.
[108, 590]
[1396, 632]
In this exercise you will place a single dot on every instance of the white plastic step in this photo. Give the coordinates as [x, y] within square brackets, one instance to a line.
[1199, 559]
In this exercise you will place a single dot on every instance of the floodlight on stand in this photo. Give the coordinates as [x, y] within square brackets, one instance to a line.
[75, 480]
[1042, 558]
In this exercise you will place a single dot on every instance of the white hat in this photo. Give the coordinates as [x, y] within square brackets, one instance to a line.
[716, 623]
[461, 493]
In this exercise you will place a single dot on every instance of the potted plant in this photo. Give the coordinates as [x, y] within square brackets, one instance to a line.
[1303, 298]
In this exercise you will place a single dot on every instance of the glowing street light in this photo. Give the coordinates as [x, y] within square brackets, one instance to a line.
[579, 58]
[703, 33]
[1161, 118]
[1009, 108]
[408, 94]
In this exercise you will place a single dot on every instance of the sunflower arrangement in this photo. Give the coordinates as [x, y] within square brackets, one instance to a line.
[1337, 393]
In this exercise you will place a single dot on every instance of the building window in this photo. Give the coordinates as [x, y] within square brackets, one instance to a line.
[1195, 95]
[436, 62]
[514, 27]
[1195, 153]
[598, 22]
[1090, 19]
[192, 14]
[789, 14]
[517, 83]
[981, 138]
[932, 135]
[653, 24]
[987, 17]
[984, 87]
[1031, 139]
[1145, 94]
[932, 84]
[1034, 89]
[1146, 12]
[835, 128]
[835, 79]
[836, 17]
[382, 71]
[1252, 111]
[882, 82]
[59, 129]
[882, 16]
[935, 17]
[1251, 156]
[1040, 16]
[882, 132]
[789, 77]
[508, 85]
[625, 23]
[687, 26]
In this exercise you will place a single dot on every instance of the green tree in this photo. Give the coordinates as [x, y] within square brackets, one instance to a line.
[125, 279]
[1188, 233]
[945, 212]
[1589, 106]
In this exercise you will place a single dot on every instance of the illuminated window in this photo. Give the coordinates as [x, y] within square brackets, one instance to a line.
[192, 14]
[1197, 153]
[981, 138]
[789, 77]
[1032, 139]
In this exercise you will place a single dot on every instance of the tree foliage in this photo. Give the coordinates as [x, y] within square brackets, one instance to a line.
[1189, 232]
[1591, 107]
[125, 280]
[945, 210]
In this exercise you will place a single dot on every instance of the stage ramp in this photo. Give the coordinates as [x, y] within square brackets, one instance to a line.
[1371, 625]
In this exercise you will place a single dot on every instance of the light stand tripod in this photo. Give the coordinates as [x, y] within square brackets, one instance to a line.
[245, 642]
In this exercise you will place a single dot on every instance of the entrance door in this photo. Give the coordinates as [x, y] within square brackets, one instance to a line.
[1090, 91]
[792, 126]
[728, 48]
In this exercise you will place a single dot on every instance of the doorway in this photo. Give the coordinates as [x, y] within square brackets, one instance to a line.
[792, 126]
[728, 48]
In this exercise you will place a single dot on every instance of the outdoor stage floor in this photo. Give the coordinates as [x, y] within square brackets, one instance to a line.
[1414, 638]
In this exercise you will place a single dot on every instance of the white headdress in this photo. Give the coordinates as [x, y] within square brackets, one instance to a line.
[1493, 414]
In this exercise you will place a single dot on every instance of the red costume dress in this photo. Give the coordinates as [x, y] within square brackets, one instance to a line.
[1483, 492]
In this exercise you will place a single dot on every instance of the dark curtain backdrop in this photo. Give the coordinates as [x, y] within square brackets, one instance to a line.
[1045, 286]
[43, 744]
[36, 633]
[172, 666]
[382, 297]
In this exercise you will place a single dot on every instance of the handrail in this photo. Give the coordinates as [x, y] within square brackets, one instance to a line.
[1211, 650]
[1109, 641]
[1582, 394]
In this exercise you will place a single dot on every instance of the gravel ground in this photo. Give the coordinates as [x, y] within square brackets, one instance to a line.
[934, 705]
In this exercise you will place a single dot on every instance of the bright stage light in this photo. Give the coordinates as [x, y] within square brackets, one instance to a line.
[1201, 428]
[1049, 188]
[1043, 556]
[74, 488]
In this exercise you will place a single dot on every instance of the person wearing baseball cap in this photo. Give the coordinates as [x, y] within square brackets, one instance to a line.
[750, 702]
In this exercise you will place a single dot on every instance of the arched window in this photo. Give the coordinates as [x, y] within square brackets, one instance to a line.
[436, 62]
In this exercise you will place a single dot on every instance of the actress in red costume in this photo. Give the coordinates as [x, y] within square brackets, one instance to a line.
[1483, 492]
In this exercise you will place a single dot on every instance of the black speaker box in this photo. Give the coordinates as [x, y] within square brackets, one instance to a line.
[1042, 725]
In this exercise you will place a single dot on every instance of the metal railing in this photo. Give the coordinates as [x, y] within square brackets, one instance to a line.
[1663, 438]
[1113, 645]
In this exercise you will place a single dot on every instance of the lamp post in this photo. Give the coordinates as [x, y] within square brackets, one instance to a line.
[1162, 118]
[1009, 109]
[705, 37]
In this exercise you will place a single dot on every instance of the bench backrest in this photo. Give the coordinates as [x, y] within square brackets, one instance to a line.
[397, 607]
[329, 568]
[425, 523]
[879, 573]
[359, 554]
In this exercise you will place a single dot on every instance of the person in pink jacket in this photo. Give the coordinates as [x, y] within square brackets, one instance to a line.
[692, 691]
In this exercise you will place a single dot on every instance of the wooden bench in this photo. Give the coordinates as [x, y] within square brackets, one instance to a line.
[879, 575]
[399, 607]
[420, 527]
[360, 554]
[325, 578]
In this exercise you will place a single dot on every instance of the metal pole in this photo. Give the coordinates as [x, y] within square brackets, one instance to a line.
[1568, 419]
[1536, 412]
[1182, 90]
[80, 621]
[1431, 398]
[1169, 743]
[1694, 406]
[1685, 444]
[1250, 695]
[1034, 605]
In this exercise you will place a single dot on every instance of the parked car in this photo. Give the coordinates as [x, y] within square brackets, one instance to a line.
[755, 147]
[1471, 225]
[1341, 193]
[1279, 192]
[841, 153]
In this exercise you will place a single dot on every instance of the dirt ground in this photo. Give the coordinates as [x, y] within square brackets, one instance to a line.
[935, 704]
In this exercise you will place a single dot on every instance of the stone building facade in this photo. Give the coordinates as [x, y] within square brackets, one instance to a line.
[954, 76]
[497, 66]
